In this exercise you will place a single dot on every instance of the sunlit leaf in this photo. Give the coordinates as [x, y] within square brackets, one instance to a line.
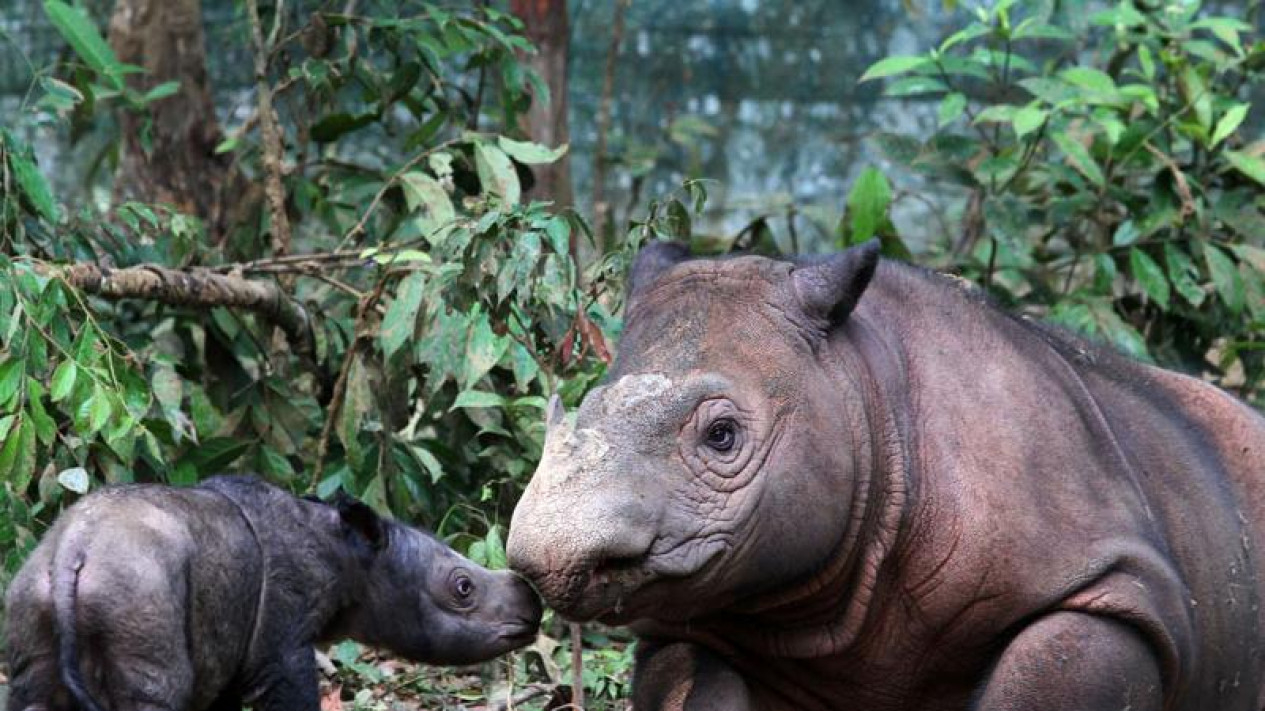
[401, 317]
[867, 204]
[1229, 122]
[892, 66]
[74, 479]
[530, 153]
[1225, 277]
[1149, 276]
[496, 173]
[1249, 165]
[82, 35]
[477, 398]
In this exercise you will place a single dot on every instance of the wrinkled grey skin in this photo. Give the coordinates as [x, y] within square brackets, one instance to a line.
[845, 484]
[158, 598]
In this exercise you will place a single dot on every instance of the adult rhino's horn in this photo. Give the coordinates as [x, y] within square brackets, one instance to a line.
[652, 261]
[829, 289]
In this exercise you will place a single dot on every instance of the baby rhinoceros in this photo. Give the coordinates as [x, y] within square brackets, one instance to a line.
[151, 598]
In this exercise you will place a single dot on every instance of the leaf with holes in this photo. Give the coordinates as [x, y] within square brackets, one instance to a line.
[401, 318]
[496, 173]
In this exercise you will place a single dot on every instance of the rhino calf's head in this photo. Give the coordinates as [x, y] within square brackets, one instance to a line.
[690, 479]
[427, 602]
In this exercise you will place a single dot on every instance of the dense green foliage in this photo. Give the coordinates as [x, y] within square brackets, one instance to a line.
[1111, 187]
[443, 308]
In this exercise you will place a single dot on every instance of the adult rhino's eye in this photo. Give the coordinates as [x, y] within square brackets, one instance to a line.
[722, 435]
[463, 587]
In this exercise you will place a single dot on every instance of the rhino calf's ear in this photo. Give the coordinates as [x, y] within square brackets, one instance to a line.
[652, 261]
[361, 521]
[829, 289]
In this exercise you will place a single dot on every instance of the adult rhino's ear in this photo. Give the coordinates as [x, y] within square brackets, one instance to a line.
[360, 521]
[830, 288]
[652, 261]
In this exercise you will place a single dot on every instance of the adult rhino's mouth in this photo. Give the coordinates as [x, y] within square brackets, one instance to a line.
[620, 589]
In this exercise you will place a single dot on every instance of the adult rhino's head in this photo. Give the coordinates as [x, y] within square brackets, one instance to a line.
[720, 459]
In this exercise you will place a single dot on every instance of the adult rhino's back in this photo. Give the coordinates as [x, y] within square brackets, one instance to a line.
[831, 485]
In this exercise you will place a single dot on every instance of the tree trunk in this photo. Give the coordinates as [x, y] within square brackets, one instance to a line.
[546, 27]
[179, 166]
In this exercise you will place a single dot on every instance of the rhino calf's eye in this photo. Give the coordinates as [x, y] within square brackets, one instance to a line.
[721, 435]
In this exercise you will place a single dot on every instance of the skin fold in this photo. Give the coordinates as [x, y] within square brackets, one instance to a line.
[154, 598]
[846, 483]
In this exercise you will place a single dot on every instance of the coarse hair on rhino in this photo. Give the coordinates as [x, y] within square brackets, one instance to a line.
[156, 598]
[842, 482]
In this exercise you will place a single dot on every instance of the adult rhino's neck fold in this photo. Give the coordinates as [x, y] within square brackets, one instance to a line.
[825, 614]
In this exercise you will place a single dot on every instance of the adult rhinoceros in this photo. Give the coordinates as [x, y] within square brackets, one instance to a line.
[845, 484]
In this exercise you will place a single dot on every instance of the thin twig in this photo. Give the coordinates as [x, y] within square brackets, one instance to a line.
[577, 667]
[521, 697]
[359, 228]
[340, 386]
[273, 150]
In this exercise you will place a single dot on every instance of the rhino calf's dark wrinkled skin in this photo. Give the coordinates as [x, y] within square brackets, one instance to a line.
[842, 483]
[154, 598]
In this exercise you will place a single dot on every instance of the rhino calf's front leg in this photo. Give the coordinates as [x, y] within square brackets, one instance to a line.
[1070, 661]
[678, 676]
[292, 685]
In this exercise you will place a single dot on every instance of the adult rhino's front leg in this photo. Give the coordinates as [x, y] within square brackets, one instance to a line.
[678, 676]
[1073, 661]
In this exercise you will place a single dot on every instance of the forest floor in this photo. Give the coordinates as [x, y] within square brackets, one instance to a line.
[355, 678]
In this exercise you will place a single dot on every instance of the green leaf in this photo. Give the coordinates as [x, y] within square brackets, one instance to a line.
[998, 113]
[477, 398]
[530, 153]
[428, 460]
[867, 204]
[915, 86]
[1126, 233]
[99, 408]
[162, 91]
[421, 190]
[483, 350]
[496, 173]
[216, 454]
[951, 107]
[1079, 157]
[333, 126]
[1147, 62]
[1247, 164]
[892, 66]
[401, 317]
[45, 426]
[1225, 277]
[74, 479]
[356, 404]
[1089, 78]
[965, 34]
[494, 551]
[82, 35]
[32, 184]
[1028, 119]
[11, 372]
[1183, 273]
[1229, 122]
[1149, 276]
[17, 457]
